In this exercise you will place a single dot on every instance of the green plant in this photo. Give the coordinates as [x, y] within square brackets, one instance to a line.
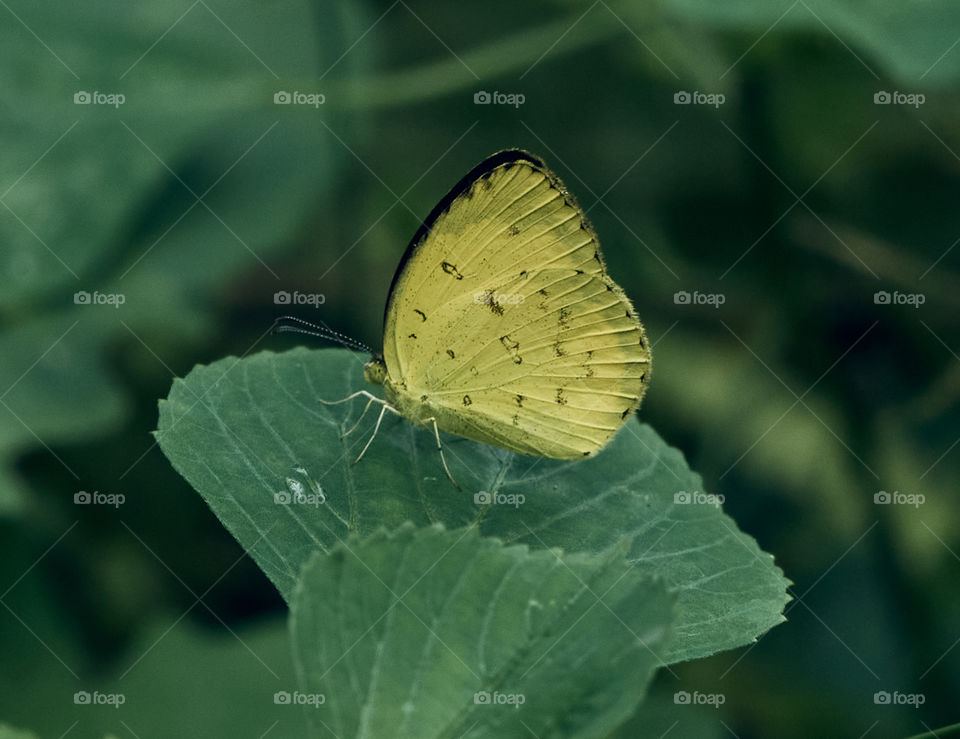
[563, 583]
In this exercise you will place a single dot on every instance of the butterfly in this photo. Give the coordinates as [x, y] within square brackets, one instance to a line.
[502, 324]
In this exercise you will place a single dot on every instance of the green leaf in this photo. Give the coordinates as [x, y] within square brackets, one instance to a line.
[434, 633]
[97, 167]
[56, 391]
[102, 198]
[891, 39]
[222, 681]
[243, 431]
[9, 732]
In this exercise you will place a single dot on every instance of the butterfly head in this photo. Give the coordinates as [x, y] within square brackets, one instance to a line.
[375, 371]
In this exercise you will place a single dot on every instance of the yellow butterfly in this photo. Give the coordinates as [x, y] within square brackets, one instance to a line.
[502, 324]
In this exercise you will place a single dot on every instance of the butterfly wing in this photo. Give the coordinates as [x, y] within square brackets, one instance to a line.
[503, 323]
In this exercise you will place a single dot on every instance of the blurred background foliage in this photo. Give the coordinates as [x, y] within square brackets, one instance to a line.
[799, 398]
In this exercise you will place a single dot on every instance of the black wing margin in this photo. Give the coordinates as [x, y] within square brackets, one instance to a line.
[485, 167]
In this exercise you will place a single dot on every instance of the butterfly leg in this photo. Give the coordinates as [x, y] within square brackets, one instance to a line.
[383, 410]
[436, 433]
[360, 393]
[373, 399]
[351, 396]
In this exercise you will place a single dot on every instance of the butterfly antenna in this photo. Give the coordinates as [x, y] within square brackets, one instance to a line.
[292, 324]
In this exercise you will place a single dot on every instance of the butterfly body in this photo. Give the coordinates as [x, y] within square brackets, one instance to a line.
[502, 324]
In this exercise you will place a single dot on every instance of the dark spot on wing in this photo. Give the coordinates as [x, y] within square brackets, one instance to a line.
[519, 399]
[450, 353]
[560, 399]
[523, 273]
[451, 270]
[412, 336]
[514, 230]
[466, 400]
[558, 349]
[492, 304]
[486, 183]
[512, 347]
[586, 454]
[542, 292]
[625, 413]
[516, 419]
[579, 271]
[423, 398]
[562, 317]
[642, 345]
[423, 316]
